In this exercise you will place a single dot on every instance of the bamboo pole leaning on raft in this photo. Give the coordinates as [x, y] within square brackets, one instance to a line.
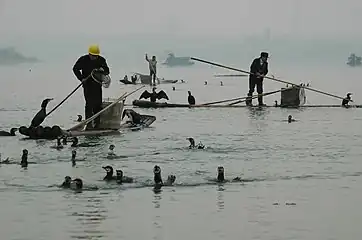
[239, 99]
[86, 121]
[274, 79]
[259, 95]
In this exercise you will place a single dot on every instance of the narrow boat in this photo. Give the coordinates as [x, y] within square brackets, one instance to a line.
[354, 60]
[292, 97]
[146, 79]
[173, 61]
[111, 124]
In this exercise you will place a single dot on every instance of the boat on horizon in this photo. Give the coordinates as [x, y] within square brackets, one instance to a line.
[354, 60]
[173, 61]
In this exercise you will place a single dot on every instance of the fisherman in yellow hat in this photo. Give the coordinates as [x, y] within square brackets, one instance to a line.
[91, 87]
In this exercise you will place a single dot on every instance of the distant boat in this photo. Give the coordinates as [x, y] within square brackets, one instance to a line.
[146, 79]
[9, 56]
[173, 61]
[354, 60]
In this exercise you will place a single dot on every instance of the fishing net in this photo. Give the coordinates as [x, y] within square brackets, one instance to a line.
[101, 78]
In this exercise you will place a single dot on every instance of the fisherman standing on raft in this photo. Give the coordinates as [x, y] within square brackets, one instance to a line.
[153, 70]
[92, 88]
[258, 70]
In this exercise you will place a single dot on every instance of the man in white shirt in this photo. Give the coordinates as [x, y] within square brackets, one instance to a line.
[153, 68]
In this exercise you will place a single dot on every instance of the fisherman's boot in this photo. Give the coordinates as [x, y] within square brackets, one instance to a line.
[88, 114]
[249, 100]
[260, 100]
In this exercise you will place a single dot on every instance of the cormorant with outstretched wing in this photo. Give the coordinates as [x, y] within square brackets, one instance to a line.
[154, 95]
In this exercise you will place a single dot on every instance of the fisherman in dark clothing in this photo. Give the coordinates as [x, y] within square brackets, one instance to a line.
[92, 89]
[134, 79]
[258, 70]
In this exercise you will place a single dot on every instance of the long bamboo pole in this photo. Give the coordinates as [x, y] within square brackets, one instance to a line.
[273, 79]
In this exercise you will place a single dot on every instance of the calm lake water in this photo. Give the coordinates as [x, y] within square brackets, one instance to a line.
[313, 164]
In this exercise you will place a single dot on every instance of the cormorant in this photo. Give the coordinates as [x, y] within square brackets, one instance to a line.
[154, 95]
[132, 115]
[40, 116]
[157, 178]
[119, 175]
[221, 176]
[7, 134]
[66, 183]
[290, 119]
[76, 184]
[24, 159]
[74, 154]
[79, 118]
[191, 99]
[346, 100]
[192, 144]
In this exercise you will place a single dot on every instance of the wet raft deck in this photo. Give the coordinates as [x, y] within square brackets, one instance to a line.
[148, 104]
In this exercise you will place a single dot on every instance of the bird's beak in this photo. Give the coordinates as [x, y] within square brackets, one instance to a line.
[104, 167]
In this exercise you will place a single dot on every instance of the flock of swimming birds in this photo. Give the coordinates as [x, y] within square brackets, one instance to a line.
[77, 183]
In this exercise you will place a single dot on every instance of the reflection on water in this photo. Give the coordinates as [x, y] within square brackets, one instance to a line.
[220, 198]
[157, 198]
[157, 220]
[258, 113]
[88, 218]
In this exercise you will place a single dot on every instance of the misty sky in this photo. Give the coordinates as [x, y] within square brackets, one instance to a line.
[181, 17]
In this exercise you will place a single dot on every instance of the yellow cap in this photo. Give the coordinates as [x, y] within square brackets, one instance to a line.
[94, 50]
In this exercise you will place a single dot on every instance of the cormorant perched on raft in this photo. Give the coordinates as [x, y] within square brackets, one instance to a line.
[79, 118]
[8, 134]
[346, 100]
[191, 99]
[40, 116]
[132, 115]
[154, 95]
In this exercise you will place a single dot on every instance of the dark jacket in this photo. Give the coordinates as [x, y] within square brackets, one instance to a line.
[256, 67]
[84, 66]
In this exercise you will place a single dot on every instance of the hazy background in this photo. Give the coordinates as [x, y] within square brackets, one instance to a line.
[310, 31]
